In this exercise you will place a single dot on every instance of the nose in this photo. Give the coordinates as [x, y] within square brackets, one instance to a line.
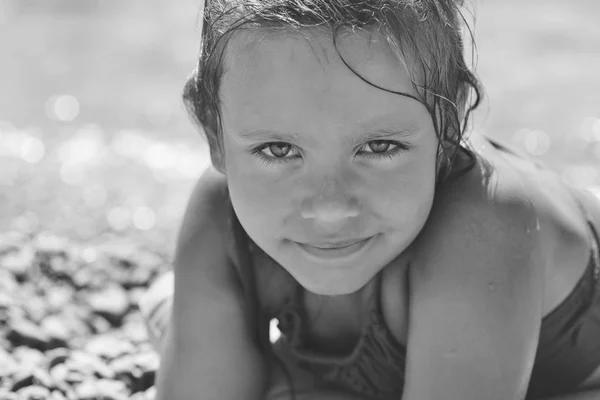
[331, 204]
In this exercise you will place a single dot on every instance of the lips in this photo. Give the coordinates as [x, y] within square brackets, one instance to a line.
[336, 250]
[335, 245]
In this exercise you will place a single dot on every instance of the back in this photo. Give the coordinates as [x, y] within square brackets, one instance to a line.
[209, 348]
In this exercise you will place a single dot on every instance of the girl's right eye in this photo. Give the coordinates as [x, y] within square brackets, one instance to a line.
[274, 152]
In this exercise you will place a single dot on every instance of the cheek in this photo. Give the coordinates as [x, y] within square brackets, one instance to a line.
[256, 197]
[406, 194]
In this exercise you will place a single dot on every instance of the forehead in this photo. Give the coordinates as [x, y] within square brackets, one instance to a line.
[281, 78]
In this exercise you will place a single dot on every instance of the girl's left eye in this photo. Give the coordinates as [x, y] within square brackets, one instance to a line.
[381, 148]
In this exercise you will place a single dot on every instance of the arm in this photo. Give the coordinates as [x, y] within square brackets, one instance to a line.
[319, 395]
[476, 297]
[208, 353]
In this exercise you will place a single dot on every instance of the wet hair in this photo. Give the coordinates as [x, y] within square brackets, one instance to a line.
[429, 33]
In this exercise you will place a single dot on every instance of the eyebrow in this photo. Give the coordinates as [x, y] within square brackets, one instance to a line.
[354, 140]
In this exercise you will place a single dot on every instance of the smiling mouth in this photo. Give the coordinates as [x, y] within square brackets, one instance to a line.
[335, 250]
[334, 245]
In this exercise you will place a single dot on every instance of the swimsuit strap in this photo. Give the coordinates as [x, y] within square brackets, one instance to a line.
[592, 233]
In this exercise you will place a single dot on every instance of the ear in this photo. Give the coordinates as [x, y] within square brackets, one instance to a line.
[217, 154]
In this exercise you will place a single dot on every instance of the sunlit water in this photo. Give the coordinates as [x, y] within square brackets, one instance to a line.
[94, 139]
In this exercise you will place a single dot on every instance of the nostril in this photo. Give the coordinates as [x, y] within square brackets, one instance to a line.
[330, 211]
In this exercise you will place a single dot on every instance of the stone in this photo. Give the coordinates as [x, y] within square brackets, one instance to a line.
[89, 365]
[49, 243]
[6, 301]
[74, 377]
[27, 356]
[135, 329]
[137, 277]
[111, 303]
[88, 278]
[138, 370]
[59, 269]
[148, 361]
[11, 240]
[36, 308]
[151, 393]
[60, 373]
[18, 261]
[32, 376]
[35, 392]
[6, 395]
[99, 325]
[57, 395]
[104, 389]
[58, 297]
[25, 333]
[8, 366]
[56, 330]
[126, 371]
[76, 317]
[8, 283]
[57, 356]
[108, 347]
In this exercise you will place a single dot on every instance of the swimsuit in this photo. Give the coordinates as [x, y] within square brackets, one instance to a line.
[568, 349]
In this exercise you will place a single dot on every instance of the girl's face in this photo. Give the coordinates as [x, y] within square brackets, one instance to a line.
[330, 176]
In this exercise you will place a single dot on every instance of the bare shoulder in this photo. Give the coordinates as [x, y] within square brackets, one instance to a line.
[476, 291]
[480, 216]
[206, 220]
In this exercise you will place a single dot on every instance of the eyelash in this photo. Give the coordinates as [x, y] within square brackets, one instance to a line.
[390, 154]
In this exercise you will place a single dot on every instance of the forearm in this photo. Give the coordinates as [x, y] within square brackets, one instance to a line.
[317, 395]
[592, 394]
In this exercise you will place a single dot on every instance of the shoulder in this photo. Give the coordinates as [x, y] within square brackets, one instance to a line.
[205, 226]
[207, 206]
[482, 218]
[476, 285]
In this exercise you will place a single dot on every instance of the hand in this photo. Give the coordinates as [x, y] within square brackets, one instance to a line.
[315, 395]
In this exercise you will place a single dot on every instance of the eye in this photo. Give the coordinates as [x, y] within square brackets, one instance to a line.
[379, 146]
[382, 148]
[278, 149]
[274, 152]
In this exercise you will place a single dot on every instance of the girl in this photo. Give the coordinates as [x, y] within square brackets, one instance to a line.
[400, 261]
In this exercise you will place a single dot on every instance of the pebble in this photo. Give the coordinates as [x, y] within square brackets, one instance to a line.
[33, 376]
[108, 347]
[57, 395]
[8, 366]
[6, 395]
[111, 303]
[35, 392]
[27, 356]
[70, 328]
[49, 243]
[57, 330]
[25, 333]
[18, 262]
[104, 389]
[8, 283]
[89, 364]
[58, 297]
[57, 356]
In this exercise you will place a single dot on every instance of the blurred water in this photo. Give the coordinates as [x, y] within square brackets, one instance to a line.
[94, 139]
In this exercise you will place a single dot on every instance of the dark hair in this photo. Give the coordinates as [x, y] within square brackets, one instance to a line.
[428, 32]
